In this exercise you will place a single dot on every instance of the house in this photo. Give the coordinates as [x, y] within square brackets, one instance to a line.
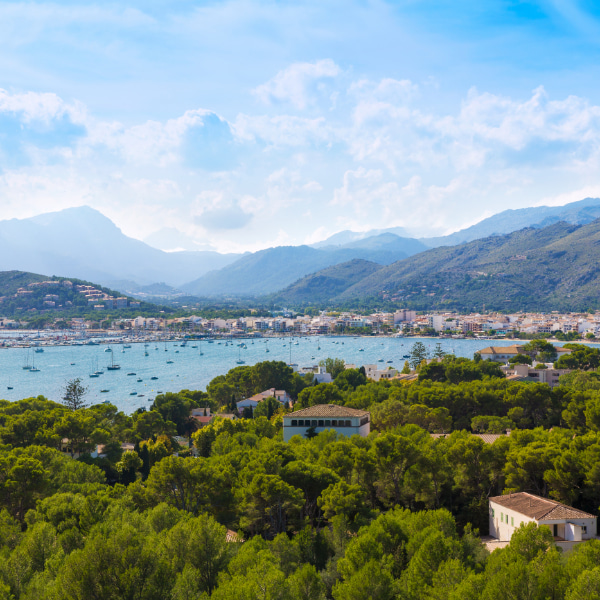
[281, 395]
[527, 373]
[568, 525]
[373, 372]
[320, 374]
[348, 421]
[202, 416]
[500, 353]
[504, 353]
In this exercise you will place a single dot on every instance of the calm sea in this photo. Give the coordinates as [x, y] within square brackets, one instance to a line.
[185, 367]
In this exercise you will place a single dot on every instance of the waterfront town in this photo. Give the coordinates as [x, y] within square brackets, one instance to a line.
[400, 322]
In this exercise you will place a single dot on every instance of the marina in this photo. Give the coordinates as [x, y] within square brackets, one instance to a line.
[193, 367]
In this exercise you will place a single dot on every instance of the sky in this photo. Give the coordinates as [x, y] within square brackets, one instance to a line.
[240, 125]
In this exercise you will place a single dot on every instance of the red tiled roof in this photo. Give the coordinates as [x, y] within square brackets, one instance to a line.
[539, 508]
[329, 410]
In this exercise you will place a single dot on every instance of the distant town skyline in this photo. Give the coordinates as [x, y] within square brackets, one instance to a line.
[242, 125]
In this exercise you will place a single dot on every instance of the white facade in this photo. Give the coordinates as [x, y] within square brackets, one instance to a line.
[568, 525]
[327, 416]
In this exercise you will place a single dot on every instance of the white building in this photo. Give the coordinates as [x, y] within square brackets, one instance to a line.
[348, 421]
[280, 395]
[527, 373]
[320, 374]
[568, 525]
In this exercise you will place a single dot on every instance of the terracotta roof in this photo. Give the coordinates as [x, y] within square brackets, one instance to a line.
[514, 349]
[232, 536]
[329, 410]
[539, 508]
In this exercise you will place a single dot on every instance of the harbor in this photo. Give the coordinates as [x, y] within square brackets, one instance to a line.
[145, 369]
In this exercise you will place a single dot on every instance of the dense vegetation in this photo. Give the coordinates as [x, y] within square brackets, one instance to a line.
[394, 515]
[69, 303]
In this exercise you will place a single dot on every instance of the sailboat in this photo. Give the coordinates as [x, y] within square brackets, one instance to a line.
[239, 361]
[26, 366]
[94, 373]
[9, 387]
[33, 368]
[112, 366]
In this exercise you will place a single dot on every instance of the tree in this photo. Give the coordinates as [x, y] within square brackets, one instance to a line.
[350, 379]
[128, 466]
[438, 352]
[200, 545]
[333, 366]
[405, 368]
[520, 359]
[267, 408]
[586, 586]
[418, 353]
[269, 505]
[74, 393]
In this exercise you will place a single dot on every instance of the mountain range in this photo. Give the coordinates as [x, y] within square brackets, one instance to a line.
[81, 242]
[551, 268]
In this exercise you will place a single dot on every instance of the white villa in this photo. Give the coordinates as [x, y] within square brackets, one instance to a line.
[280, 395]
[348, 421]
[568, 525]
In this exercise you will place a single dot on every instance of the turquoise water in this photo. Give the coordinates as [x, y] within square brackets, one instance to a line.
[190, 369]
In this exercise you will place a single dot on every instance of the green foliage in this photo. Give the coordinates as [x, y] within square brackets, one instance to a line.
[333, 366]
[418, 353]
[74, 394]
[520, 359]
[392, 515]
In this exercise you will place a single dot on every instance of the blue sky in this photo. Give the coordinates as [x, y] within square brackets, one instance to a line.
[241, 125]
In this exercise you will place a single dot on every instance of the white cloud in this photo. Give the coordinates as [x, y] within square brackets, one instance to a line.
[295, 84]
[377, 159]
[32, 106]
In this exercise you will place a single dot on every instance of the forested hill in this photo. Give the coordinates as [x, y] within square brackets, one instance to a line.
[553, 268]
[38, 292]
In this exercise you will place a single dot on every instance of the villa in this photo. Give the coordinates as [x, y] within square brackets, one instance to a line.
[348, 421]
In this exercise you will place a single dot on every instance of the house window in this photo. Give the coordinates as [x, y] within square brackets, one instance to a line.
[327, 422]
[348, 424]
[321, 423]
[493, 513]
[294, 423]
[584, 528]
[512, 521]
[555, 530]
[314, 423]
[334, 423]
[501, 517]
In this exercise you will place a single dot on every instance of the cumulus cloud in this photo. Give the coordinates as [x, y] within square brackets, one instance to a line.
[297, 83]
[379, 157]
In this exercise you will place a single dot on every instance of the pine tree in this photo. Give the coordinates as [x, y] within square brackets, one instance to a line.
[74, 394]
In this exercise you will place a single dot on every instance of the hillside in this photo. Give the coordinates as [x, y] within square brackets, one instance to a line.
[81, 242]
[507, 221]
[270, 270]
[29, 294]
[552, 268]
[323, 286]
